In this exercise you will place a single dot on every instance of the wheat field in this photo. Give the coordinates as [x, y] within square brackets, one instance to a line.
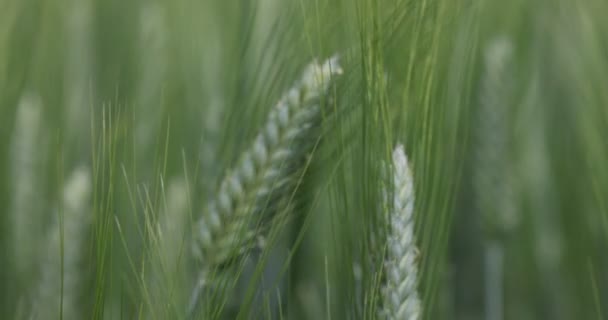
[304, 159]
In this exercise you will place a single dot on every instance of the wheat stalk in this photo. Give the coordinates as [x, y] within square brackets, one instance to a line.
[60, 287]
[400, 293]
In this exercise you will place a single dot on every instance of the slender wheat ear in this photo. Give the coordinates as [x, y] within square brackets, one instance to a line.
[266, 170]
[400, 292]
[172, 223]
[79, 71]
[63, 272]
[27, 160]
[492, 177]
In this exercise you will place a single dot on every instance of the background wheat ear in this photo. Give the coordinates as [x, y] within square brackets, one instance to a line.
[400, 292]
[493, 174]
[62, 275]
[27, 172]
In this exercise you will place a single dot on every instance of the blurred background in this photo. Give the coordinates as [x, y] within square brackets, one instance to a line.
[119, 118]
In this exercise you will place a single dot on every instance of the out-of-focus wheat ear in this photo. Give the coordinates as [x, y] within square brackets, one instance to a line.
[492, 175]
[27, 161]
[63, 263]
[172, 224]
[265, 170]
[400, 291]
[148, 111]
[168, 249]
[79, 74]
[493, 172]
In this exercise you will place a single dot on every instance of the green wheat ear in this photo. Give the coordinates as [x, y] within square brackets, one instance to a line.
[492, 174]
[27, 156]
[60, 289]
[400, 293]
[265, 170]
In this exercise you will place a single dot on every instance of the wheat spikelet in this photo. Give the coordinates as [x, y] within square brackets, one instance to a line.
[400, 293]
[265, 170]
[52, 294]
[27, 160]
